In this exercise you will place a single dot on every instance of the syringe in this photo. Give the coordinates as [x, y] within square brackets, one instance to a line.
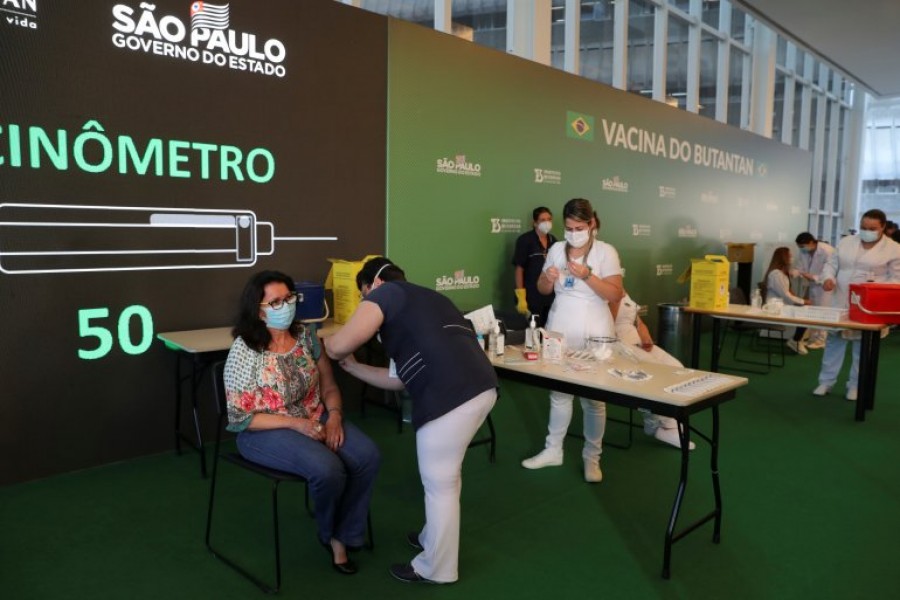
[59, 238]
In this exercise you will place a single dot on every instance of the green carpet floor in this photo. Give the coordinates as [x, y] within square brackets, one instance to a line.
[811, 510]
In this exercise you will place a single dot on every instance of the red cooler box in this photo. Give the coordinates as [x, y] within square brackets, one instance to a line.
[875, 302]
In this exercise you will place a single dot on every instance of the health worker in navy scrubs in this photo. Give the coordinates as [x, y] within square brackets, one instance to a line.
[437, 359]
[531, 251]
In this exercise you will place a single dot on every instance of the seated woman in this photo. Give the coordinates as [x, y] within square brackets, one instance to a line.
[286, 407]
[632, 331]
[778, 285]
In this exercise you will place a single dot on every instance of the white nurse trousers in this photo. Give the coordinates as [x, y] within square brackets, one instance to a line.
[441, 446]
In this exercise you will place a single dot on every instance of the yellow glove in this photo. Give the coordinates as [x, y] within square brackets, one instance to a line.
[522, 304]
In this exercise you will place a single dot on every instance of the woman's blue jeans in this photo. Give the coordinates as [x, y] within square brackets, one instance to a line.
[340, 482]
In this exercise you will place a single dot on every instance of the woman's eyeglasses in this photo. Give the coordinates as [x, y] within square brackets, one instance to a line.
[277, 304]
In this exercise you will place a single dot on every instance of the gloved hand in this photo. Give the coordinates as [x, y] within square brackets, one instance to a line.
[522, 303]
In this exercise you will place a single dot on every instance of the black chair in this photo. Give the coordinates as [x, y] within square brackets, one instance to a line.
[275, 476]
[762, 338]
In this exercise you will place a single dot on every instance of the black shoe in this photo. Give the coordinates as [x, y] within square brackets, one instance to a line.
[406, 574]
[412, 538]
[348, 567]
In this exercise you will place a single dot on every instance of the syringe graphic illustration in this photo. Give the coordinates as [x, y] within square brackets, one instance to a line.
[58, 238]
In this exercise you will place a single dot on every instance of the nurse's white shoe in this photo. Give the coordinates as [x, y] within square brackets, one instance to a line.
[548, 457]
[821, 389]
[670, 436]
[592, 472]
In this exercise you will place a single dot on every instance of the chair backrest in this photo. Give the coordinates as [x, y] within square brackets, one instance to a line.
[736, 296]
[221, 401]
[763, 290]
[218, 374]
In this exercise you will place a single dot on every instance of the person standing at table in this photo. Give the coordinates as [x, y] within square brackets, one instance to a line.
[283, 401]
[528, 259]
[586, 275]
[633, 332]
[436, 357]
[778, 285]
[866, 256]
[809, 265]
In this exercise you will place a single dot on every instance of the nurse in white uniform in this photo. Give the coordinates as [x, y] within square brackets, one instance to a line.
[586, 276]
[866, 256]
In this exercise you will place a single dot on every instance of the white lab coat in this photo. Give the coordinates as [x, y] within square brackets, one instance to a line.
[813, 264]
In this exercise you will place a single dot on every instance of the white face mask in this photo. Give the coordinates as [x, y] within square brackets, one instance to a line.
[869, 236]
[545, 227]
[577, 239]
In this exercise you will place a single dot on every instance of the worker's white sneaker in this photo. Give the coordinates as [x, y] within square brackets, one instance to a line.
[548, 457]
[670, 436]
[821, 389]
[798, 347]
[851, 394]
[592, 472]
[816, 345]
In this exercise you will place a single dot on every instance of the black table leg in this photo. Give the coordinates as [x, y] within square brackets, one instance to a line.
[195, 383]
[178, 403]
[695, 341]
[716, 340]
[873, 362]
[868, 372]
[684, 435]
[714, 468]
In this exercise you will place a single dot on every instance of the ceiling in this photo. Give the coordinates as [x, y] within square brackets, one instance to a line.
[861, 38]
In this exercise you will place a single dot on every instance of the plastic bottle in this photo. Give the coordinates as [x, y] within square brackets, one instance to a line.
[531, 334]
[499, 340]
[756, 299]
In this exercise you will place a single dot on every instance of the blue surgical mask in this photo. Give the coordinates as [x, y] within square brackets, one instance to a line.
[869, 236]
[805, 250]
[280, 318]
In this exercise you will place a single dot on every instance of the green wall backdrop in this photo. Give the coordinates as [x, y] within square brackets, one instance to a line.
[477, 138]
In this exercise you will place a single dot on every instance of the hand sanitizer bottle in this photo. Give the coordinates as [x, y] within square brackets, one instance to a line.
[531, 334]
[499, 340]
[756, 298]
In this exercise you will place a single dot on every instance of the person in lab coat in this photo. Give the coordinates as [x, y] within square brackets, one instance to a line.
[867, 256]
[808, 264]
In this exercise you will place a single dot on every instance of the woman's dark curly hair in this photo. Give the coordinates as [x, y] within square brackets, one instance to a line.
[248, 326]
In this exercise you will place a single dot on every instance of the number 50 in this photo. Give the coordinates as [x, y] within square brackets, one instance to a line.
[105, 337]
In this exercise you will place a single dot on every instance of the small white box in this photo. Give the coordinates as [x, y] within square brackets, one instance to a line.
[818, 313]
[554, 346]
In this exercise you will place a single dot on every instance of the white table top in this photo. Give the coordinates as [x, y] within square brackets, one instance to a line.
[595, 374]
[215, 339]
[743, 312]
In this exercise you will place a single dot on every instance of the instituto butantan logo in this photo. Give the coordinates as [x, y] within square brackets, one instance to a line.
[640, 230]
[615, 185]
[547, 176]
[207, 39]
[666, 191]
[688, 231]
[459, 281]
[19, 13]
[662, 270]
[502, 225]
[458, 166]
[709, 198]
